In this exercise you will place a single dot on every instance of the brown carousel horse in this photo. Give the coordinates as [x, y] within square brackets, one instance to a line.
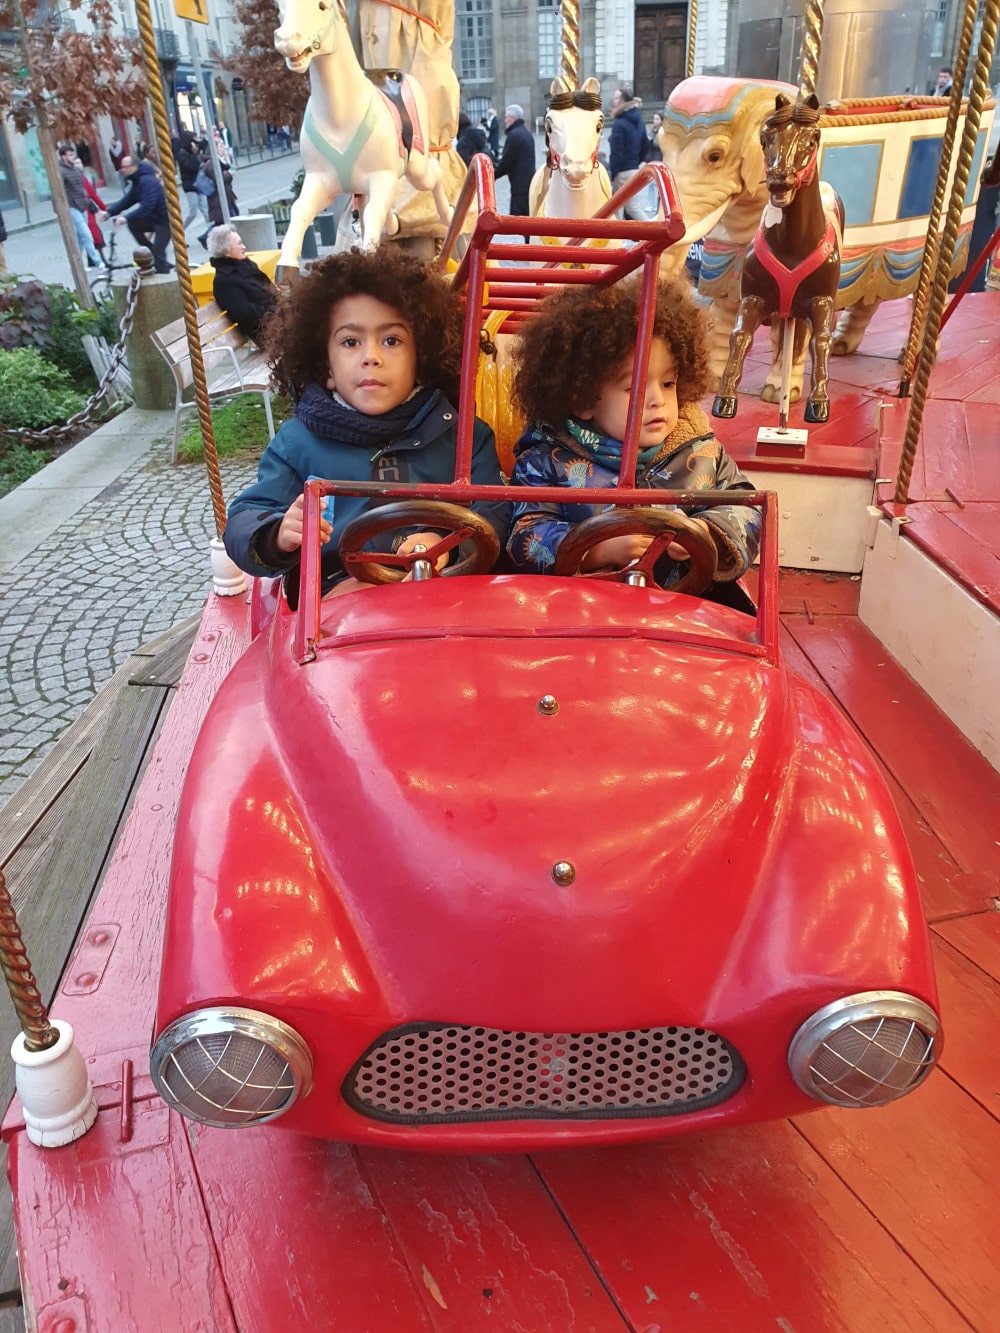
[792, 266]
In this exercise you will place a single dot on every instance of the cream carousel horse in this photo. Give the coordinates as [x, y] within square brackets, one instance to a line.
[572, 184]
[356, 138]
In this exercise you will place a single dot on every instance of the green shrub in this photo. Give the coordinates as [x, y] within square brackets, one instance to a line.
[69, 324]
[34, 393]
[18, 463]
[49, 319]
[239, 427]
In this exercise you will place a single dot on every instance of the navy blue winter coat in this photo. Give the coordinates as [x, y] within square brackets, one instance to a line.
[146, 191]
[424, 453]
[628, 140]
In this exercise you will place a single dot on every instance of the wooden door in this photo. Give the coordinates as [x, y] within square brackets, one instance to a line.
[660, 51]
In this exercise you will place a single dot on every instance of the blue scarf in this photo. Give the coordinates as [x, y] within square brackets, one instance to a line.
[602, 448]
[321, 413]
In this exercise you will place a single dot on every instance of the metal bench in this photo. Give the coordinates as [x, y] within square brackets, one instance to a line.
[229, 367]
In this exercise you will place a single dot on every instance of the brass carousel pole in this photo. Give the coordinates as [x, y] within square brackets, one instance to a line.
[932, 247]
[939, 292]
[692, 36]
[165, 150]
[570, 65]
[812, 34]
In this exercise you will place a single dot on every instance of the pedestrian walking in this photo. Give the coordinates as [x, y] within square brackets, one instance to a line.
[3, 237]
[95, 206]
[145, 207]
[221, 148]
[215, 217]
[471, 139]
[628, 147]
[491, 124]
[71, 172]
[517, 161]
[188, 166]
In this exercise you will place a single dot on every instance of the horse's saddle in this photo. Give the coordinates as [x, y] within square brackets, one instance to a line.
[393, 86]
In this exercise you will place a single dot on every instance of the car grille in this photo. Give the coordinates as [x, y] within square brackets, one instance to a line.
[437, 1074]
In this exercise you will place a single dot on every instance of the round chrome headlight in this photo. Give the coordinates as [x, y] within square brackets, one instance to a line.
[865, 1050]
[229, 1067]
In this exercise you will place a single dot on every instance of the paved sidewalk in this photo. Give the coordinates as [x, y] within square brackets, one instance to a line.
[36, 248]
[104, 549]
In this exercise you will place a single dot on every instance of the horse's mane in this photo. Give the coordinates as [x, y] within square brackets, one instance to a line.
[563, 101]
[793, 113]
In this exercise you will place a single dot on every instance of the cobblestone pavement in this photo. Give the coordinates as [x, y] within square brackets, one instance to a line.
[126, 567]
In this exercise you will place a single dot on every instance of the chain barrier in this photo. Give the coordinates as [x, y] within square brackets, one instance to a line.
[23, 434]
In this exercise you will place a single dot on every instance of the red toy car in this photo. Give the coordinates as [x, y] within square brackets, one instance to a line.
[501, 862]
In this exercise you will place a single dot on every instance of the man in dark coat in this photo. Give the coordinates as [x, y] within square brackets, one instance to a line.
[146, 207]
[518, 159]
[3, 237]
[628, 147]
[240, 288]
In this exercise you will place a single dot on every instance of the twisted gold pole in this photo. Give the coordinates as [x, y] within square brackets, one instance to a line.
[166, 152]
[39, 1034]
[692, 36]
[939, 293]
[928, 263]
[570, 66]
[812, 34]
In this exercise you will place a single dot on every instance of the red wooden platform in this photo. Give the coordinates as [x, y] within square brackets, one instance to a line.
[954, 509]
[880, 1219]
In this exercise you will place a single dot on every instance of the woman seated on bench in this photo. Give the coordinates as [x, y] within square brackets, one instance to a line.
[240, 288]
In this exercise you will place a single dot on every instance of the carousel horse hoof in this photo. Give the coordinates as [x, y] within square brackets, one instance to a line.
[817, 412]
[724, 406]
[771, 393]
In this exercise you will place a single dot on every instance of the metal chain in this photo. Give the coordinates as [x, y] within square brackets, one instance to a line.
[23, 433]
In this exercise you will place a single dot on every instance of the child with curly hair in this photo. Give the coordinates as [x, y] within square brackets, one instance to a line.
[369, 346]
[574, 382]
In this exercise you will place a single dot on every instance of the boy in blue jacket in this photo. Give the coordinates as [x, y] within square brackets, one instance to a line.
[369, 346]
[574, 382]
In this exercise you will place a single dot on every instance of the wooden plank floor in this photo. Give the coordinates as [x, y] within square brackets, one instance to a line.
[57, 832]
[839, 1221]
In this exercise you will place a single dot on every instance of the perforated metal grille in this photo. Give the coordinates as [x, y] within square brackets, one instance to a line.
[226, 1078]
[871, 1061]
[433, 1074]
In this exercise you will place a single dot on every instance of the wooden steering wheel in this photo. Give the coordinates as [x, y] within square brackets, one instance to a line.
[663, 525]
[382, 567]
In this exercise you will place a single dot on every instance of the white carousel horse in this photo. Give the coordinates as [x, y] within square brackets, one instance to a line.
[572, 184]
[356, 138]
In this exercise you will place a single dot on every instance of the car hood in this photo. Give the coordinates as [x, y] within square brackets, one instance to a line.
[607, 831]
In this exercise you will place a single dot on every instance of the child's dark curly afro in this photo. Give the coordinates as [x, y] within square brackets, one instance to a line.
[296, 332]
[583, 335]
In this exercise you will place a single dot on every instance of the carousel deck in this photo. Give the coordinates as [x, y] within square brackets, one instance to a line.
[954, 509]
[835, 1221]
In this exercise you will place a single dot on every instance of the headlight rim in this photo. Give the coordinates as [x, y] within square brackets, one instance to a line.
[254, 1023]
[862, 1006]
